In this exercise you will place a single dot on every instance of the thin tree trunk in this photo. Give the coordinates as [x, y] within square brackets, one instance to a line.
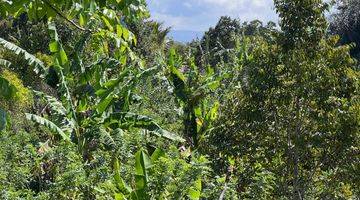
[297, 191]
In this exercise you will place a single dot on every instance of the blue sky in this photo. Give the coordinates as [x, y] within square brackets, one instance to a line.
[189, 18]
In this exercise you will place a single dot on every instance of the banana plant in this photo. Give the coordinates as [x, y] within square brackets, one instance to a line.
[96, 88]
[143, 162]
[100, 100]
[106, 97]
[191, 86]
[38, 65]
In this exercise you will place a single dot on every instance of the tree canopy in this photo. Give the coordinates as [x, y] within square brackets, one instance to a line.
[97, 102]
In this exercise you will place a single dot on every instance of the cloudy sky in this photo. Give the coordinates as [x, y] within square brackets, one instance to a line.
[195, 16]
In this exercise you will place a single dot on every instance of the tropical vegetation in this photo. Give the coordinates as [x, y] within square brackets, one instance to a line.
[98, 102]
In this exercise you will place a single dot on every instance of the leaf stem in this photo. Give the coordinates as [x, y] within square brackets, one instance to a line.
[64, 17]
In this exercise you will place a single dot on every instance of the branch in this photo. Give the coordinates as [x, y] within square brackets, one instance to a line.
[222, 195]
[63, 16]
[227, 179]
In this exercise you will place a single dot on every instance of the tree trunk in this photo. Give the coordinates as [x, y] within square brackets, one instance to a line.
[296, 185]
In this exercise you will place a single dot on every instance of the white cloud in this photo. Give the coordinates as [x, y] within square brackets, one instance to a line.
[187, 4]
[199, 15]
[198, 23]
[233, 5]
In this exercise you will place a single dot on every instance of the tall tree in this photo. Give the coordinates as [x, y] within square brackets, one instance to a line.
[296, 114]
[216, 44]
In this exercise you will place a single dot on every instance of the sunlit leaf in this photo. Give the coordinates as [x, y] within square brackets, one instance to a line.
[31, 59]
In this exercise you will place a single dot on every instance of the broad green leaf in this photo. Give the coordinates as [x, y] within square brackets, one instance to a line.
[214, 85]
[107, 23]
[32, 60]
[142, 164]
[63, 57]
[50, 125]
[198, 112]
[120, 183]
[195, 191]
[172, 57]
[81, 20]
[104, 103]
[125, 33]
[119, 30]
[119, 196]
[54, 47]
[194, 194]
[210, 71]
[158, 153]
[213, 111]
[92, 6]
[177, 73]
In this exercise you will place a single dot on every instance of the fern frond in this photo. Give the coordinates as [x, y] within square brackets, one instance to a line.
[32, 60]
[47, 123]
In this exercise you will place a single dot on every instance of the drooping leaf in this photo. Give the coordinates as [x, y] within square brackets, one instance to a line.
[64, 88]
[178, 79]
[111, 140]
[31, 59]
[126, 120]
[110, 90]
[213, 85]
[63, 57]
[5, 63]
[107, 23]
[53, 127]
[53, 103]
[81, 20]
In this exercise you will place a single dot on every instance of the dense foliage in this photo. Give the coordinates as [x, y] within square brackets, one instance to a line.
[97, 103]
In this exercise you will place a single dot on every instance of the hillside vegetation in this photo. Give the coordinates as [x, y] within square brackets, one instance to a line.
[97, 102]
